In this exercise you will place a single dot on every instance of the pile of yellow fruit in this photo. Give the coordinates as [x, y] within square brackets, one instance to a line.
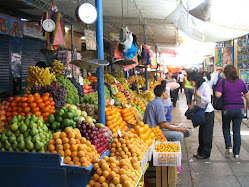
[121, 98]
[38, 77]
[110, 172]
[57, 68]
[128, 146]
[75, 149]
[158, 134]
[167, 147]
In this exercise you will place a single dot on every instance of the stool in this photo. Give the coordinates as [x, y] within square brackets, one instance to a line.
[168, 116]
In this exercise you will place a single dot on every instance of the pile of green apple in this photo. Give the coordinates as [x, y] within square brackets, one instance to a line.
[62, 118]
[26, 134]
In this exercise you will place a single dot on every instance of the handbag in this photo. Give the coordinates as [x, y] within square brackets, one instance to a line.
[218, 102]
[196, 115]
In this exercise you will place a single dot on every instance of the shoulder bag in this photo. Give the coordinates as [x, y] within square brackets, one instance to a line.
[218, 102]
[196, 115]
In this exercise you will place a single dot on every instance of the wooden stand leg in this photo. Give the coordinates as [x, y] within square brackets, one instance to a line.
[158, 176]
[164, 176]
[172, 176]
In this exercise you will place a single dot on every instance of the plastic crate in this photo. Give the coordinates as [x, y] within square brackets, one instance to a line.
[167, 158]
[150, 150]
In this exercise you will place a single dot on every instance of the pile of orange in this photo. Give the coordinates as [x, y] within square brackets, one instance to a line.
[111, 172]
[114, 121]
[139, 102]
[30, 104]
[92, 79]
[121, 98]
[75, 149]
[158, 134]
[128, 146]
[128, 115]
[144, 132]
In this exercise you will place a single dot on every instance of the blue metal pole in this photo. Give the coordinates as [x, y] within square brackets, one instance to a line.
[100, 71]
[146, 72]
[233, 51]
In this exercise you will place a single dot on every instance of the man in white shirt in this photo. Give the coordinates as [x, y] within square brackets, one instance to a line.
[180, 79]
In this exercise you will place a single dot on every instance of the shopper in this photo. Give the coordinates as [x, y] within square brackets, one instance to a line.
[206, 75]
[188, 90]
[215, 78]
[232, 108]
[155, 116]
[174, 90]
[202, 98]
[166, 102]
[180, 79]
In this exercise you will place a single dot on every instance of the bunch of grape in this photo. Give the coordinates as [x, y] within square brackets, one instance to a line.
[77, 86]
[57, 68]
[91, 98]
[55, 90]
[72, 96]
[38, 77]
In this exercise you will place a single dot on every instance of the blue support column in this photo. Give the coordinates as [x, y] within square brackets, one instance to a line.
[233, 52]
[146, 71]
[100, 71]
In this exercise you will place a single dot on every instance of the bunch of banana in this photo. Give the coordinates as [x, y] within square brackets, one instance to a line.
[119, 74]
[57, 68]
[109, 78]
[38, 77]
[140, 81]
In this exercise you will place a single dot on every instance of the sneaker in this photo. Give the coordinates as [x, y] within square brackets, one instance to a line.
[236, 156]
[228, 151]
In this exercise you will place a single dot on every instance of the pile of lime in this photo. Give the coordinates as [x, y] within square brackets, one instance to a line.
[62, 118]
[26, 134]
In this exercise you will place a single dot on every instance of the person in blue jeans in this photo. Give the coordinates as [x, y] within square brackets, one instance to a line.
[233, 108]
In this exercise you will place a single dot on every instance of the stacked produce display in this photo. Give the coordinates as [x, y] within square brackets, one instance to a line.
[58, 115]
[41, 106]
[75, 149]
[27, 134]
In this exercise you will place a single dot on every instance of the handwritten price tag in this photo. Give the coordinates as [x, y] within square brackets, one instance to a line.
[119, 133]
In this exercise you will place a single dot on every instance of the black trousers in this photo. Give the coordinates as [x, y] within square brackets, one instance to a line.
[181, 86]
[174, 95]
[206, 135]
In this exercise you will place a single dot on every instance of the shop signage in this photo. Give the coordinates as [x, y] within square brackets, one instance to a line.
[90, 39]
[10, 26]
[153, 63]
[32, 30]
[218, 57]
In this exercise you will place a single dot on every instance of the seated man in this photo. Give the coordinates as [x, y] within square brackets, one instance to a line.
[155, 116]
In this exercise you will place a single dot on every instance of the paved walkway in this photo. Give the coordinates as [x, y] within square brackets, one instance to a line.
[219, 170]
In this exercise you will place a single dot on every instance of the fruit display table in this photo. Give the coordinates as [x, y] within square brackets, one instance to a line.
[166, 176]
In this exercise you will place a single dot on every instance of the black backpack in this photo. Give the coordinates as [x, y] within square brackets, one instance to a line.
[218, 102]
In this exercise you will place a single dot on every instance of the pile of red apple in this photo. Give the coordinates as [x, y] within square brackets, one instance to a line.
[87, 89]
[3, 107]
[98, 137]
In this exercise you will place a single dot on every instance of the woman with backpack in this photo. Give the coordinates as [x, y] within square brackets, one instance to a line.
[233, 107]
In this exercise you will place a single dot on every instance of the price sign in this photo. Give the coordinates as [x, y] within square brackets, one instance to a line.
[119, 133]
[81, 80]
[112, 102]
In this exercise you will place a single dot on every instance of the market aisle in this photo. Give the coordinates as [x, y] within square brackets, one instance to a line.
[220, 169]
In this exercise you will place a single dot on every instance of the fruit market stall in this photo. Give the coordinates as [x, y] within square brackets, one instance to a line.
[57, 118]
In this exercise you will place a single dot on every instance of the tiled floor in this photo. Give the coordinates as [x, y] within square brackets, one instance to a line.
[219, 170]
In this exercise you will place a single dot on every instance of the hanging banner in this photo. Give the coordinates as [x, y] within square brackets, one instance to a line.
[32, 30]
[10, 26]
[90, 39]
[218, 57]
[15, 27]
[4, 24]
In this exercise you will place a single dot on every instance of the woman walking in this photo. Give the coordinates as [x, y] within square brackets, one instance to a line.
[202, 98]
[188, 90]
[233, 107]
